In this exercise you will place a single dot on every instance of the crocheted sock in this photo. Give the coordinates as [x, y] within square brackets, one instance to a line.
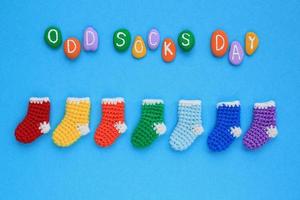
[112, 124]
[263, 126]
[36, 121]
[227, 127]
[151, 124]
[75, 122]
[189, 125]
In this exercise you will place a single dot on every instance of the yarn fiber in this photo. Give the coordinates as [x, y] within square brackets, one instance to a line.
[227, 126]
[151, 124]
[75, 122]
[36, 121]
[263, 126]
[112, 124]
[189, 125]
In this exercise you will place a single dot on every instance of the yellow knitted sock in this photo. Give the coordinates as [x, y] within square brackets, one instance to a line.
[75, 122]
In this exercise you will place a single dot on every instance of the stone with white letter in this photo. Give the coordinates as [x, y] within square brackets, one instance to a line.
[251, 43]
[122, 40]
[139, 49]
[72, 48]
[236, 53]
[186, 40]
[90, 39]
[52, 37]
[168, 51]
[153, 39]
[219, 43]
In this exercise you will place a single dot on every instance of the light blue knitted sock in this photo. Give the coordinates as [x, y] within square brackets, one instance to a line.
[189, 125]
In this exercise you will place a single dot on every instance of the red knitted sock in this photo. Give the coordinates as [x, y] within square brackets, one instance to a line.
[112, 124]
[36, 121]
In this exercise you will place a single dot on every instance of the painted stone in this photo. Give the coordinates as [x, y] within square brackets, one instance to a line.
[251, 43]
[236, 53]
[52, 37]
[168, 51]
[219, 43]
[122, 40]
[139, 49]
[186, 40]
[153, 39]
[72, 48]
[90, 39]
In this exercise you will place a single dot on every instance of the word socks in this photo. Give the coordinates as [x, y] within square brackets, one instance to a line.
[36, 121]
[263, 126]
[151, 124]
[227, 127]
[189, 125]
[75, 122]
[112, 124]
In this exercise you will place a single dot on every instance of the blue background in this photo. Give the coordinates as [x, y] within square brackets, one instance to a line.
[85, 171]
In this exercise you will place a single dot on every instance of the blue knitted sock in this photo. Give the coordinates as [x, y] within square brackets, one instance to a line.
[189, 125]
[227, 127]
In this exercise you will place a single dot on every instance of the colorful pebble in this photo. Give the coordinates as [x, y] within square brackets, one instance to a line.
[139, 49]
[53, 37]
[251, 43]
[122, 40]
[168, 51]
[219, 43]
[90, 39]
[236, 53]
[153, 39]
[72, 48]
[186, 40]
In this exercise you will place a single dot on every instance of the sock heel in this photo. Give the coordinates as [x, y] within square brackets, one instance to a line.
[236, 131]
[121, 127]
[160, 128]
[44, 127]
[84, 129]
[198, 129]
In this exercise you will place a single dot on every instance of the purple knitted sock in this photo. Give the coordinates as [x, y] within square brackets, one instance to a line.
[263, 125]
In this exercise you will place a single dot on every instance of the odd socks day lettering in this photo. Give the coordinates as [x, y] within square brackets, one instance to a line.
[122, 40]
[75, 123]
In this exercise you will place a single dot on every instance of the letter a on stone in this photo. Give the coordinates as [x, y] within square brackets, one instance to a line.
[236, 53]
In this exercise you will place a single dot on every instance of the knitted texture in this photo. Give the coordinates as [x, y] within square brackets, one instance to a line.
[263, 126]
[189, 125]
[151, 124]
[227, 127]
[112, 124]
[75, 122]
[36, 121]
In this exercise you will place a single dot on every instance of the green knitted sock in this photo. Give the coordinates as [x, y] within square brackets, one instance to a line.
[151, 125]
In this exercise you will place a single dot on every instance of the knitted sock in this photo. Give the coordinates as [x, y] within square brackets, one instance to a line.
[112, 124]
[263, 126]
[227, 127]
[189, 125]
[151, 124]
[36, 121]
[75, 122]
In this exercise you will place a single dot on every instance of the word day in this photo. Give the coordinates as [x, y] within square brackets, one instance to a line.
[122, 41]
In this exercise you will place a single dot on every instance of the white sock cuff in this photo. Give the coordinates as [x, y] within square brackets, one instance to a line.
[184, 102]
[264, 105]
[39, 100]
[152, 101]
[229, 104]
[113, 100]
[77, 100]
